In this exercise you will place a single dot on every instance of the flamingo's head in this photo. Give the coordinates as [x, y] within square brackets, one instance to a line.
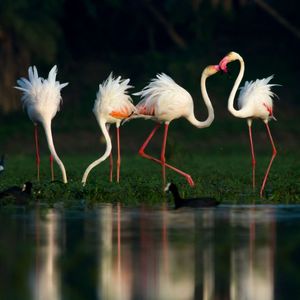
[231, 56]
[211, 70]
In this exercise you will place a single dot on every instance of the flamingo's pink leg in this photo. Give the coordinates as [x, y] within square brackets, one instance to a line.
[141, 151]
[143, 154]
[37, 154]
[253, 156]
[119, 154]
[51, 167]
[162, 155]
[111, 165]
[271, 161]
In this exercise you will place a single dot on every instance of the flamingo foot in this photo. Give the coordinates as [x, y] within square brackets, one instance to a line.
[190, 180]
[261, 193]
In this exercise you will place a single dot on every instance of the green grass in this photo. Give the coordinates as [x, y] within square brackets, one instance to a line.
[218, 158]
[224, 176]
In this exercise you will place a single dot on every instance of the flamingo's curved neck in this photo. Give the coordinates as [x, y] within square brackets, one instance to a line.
[192, 119]
[48, 132]
[104, 156]
[237, 113]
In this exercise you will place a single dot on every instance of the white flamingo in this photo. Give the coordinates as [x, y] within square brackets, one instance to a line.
[112, 105]
[255, 101]
[163, 101]
[41, 98]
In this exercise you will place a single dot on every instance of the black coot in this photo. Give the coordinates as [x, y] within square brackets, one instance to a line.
[192, 202]
[20, 195]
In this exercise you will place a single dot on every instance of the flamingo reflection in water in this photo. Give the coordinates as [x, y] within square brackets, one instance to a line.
[252, 265]
[115, 274]
[46, 279]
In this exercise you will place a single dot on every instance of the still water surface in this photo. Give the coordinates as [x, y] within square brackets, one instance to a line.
[231, 252]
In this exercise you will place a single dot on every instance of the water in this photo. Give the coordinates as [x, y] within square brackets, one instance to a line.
[231, 252]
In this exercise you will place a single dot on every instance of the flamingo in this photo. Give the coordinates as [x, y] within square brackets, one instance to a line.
[163, 101]
[112, 105]
[255, 101]
[41, 98]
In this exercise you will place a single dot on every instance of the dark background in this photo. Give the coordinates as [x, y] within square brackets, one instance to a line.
[136, 39]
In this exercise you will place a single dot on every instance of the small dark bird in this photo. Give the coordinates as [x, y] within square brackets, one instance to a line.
[19, 195]
[192, 202]
[2, 163]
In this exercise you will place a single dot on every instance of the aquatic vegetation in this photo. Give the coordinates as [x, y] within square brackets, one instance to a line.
[220, 176]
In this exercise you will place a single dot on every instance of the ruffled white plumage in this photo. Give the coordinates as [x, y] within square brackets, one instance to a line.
[255, 101]
[113, 96]
[256, 92]
[164, 98]
[112, 105]
[41, 97]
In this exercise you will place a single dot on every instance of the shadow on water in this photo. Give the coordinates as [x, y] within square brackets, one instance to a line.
[231, 252]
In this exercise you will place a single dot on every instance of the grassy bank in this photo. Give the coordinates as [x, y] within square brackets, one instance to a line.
[224, 176]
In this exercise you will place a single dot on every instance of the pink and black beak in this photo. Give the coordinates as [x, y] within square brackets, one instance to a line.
[223, 65]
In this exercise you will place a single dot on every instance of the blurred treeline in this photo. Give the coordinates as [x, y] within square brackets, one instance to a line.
[138, 38]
